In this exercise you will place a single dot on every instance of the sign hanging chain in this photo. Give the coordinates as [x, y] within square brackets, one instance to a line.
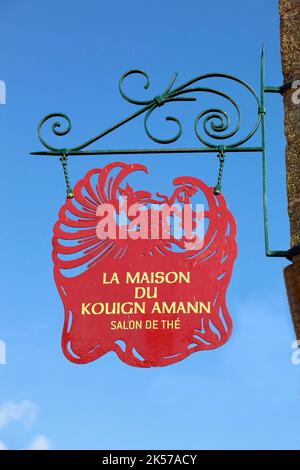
[218, 187]
[64, 162]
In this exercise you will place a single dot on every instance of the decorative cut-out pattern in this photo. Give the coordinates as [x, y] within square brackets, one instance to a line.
[190, 272]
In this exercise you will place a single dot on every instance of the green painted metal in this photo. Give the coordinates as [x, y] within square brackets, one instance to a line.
[64, 162]
[153, 151]
[218, 187]
[279, 89]
[213, 136]
[268, 89]
[215, 121]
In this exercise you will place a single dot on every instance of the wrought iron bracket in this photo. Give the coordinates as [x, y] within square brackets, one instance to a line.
[280, 89]
[216, 128]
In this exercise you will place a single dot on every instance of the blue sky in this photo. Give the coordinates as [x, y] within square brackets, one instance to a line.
[68, 56]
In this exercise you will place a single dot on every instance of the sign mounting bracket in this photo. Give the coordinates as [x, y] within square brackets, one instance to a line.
[215, 137]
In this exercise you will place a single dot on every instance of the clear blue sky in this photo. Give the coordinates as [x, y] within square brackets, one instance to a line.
[68, 56]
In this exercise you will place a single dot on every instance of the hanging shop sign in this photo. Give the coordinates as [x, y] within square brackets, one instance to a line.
[141, 275]
[145, 274]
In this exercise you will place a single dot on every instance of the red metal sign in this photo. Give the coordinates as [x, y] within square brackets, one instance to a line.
[141, 275]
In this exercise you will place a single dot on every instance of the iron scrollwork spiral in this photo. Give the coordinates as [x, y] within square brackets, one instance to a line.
[216, 123]
[58, 128]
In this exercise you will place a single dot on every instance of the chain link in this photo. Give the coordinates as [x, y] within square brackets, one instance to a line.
[218, 187]
[64, 162]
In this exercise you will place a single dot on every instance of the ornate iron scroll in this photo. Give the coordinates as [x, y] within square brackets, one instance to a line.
[215, 122]
[214, 129]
